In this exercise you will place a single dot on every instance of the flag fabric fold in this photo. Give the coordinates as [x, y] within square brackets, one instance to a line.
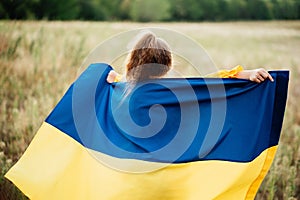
[175, 138]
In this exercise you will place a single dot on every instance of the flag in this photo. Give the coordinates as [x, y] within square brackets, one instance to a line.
[169, 138]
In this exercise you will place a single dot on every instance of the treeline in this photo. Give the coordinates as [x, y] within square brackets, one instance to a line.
[150, 10]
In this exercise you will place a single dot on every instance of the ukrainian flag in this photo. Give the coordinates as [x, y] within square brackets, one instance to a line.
[195, 138]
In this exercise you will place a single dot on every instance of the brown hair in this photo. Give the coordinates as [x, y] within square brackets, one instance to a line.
[150, 58]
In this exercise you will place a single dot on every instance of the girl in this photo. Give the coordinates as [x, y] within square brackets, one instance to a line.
[151, 58]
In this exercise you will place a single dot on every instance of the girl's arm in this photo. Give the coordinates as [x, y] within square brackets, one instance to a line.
[256, 75]
[113, 76]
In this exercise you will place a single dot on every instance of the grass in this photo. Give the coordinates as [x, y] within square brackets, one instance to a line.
[39, 60]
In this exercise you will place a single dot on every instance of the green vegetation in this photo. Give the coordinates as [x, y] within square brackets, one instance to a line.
[39, 60]
[154, 10]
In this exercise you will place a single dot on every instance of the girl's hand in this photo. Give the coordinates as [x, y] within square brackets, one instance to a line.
[111, 77]
[256, 75]
[259, 75]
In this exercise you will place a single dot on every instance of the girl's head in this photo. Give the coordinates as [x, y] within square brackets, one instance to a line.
[150, 58]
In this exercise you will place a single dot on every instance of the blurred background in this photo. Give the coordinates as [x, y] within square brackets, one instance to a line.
[44, 42]
[154, 10]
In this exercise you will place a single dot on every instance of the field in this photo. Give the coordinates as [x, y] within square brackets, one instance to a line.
[39, 60]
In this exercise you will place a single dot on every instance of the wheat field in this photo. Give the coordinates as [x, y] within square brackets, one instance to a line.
[40, 59]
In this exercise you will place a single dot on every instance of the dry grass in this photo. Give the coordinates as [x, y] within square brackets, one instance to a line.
[38, 60]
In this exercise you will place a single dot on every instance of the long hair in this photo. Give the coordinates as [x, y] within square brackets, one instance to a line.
[150, 58]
